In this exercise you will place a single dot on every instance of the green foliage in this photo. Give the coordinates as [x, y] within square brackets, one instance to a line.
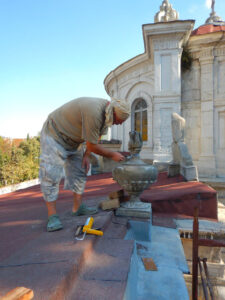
[21, 163]
[186, 60]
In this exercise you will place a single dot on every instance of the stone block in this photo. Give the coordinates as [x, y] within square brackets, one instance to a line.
[138, 212]
[162, 166]
[116, 194]
[110, 204]
[190, 173]
[173, 170]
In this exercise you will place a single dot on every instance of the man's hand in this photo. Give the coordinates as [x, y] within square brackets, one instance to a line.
[116, 156]
[86, 162]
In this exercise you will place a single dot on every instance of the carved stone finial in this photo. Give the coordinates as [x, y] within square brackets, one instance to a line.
[135, 142]
[213, 18]
[212, 6]
[166, 13]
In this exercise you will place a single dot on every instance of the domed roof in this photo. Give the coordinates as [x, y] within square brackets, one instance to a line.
[208, 28]
[213, 24]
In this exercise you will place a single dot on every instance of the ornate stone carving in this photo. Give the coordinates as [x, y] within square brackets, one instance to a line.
[135, 143]
[166, 43]
[166, 13]
[135, 176]
[220, 52]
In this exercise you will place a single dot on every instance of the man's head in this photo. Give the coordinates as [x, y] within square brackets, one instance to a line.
[117, 112]
[116, 119]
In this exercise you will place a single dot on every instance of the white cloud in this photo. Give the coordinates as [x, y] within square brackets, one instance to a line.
[208, 3]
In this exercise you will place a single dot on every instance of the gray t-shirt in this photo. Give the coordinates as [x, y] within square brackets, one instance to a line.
[80, 120]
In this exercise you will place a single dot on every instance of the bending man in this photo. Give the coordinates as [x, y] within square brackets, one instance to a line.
[65, 130]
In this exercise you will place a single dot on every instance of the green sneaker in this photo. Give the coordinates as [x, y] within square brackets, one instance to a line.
[84, 210]
[54, 223]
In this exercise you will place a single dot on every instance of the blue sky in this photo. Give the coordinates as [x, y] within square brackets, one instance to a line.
[53, 51]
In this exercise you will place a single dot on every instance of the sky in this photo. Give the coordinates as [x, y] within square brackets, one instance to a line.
[53, 51]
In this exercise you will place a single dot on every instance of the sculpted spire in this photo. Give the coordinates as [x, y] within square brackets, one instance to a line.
[166, 13]
[213, 18]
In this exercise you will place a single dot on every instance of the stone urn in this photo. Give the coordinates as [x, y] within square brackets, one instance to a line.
[134, 175]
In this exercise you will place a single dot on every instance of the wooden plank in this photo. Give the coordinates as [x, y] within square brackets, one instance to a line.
[195, 256]
[19, 293]
[149, 264]
[211, 243]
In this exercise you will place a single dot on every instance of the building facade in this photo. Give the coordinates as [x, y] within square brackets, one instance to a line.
[155, 85]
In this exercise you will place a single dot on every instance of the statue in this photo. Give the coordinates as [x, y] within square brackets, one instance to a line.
[182, 160]
[212, 6]
[213, 18]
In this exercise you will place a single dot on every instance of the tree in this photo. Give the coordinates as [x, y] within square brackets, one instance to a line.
[21, 163]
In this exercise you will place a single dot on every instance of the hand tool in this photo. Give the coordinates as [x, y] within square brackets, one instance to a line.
[87, 228]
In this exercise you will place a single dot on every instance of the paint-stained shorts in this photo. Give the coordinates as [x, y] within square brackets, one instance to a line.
[56, 163]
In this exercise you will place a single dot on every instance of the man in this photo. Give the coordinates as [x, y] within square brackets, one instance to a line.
[79, 121]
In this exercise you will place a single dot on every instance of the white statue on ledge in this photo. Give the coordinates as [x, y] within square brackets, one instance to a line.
[182, 161]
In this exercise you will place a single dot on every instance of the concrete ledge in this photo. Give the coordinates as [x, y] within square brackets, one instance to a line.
[22, 185]
[216, 183]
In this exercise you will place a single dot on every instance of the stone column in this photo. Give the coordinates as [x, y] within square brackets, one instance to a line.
[167, 98]
[206, 164]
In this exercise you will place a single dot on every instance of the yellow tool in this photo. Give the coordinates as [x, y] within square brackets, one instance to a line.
[87, 228]
[88, 225]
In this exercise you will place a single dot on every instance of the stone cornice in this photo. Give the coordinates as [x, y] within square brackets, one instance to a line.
[178, 29]
[219, 101]
[206, 39]
[220, 51]
[208, 53]
[168, 27]
[190, 104]
[206, 56]
[204, 60]
[172, 98]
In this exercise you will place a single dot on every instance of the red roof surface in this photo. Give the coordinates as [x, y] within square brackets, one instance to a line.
[208, 28]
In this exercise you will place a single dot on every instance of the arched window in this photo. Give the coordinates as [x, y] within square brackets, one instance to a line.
[139, 118]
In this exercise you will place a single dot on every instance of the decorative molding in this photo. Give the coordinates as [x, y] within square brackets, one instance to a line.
[137, 90]
[123, 68]
[166, 43]
[219, 102]
[220, 52]
[191, 105]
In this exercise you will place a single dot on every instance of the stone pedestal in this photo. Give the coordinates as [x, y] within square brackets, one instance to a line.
[139, 210]
[173, 170]
[190, 173]
[139, 230]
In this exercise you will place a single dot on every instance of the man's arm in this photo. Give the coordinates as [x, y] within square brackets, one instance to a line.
[98, 149]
